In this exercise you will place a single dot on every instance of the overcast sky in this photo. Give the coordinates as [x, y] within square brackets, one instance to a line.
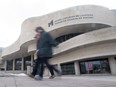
[14, 12]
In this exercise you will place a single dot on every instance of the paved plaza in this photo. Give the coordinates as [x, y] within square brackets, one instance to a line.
[22, 80]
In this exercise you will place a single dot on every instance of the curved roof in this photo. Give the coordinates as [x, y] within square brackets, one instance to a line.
[76, 19]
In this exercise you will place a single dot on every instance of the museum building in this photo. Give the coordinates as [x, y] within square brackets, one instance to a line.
[86, 36]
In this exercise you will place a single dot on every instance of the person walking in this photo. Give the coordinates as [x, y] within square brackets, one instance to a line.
[44, 53]
[36, 61]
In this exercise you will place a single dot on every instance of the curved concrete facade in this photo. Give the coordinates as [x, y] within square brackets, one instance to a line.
[97, 40]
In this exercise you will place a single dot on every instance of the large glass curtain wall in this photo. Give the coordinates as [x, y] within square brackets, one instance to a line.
[18, 64]
[98, 66]
[9, 65]
[66, 37]
[27, 62]
[68, 68]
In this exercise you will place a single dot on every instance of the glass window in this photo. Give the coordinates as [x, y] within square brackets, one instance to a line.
[27, 62]
[68, 69]
[66, 37]
[18, 64]
[98, 66]
[9, 65]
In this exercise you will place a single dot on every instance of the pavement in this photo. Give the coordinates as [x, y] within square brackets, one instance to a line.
[22, 80]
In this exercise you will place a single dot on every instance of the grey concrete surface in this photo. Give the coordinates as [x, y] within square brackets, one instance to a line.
[21, 80]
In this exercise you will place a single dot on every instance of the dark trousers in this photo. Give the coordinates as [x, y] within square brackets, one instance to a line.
[35, 67]
[41, 62]
[39, 67]
[56, 70]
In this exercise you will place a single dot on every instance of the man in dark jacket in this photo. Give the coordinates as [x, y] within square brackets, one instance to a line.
[44, 52]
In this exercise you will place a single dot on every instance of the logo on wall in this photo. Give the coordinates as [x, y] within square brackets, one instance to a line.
[70, 18]
[50, 23]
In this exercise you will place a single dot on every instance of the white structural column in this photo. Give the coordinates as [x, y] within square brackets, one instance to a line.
[13, 65]
[5, 65]
[59, 67]
[46, 72]
[77, 69]
[32, 60]
[112, 63]
[22, 66]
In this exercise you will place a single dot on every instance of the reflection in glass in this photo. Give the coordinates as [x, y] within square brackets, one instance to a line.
[18, 64]
[94, 66]
[9, 65]
[66, 37]
[27, 62]
[68, 69]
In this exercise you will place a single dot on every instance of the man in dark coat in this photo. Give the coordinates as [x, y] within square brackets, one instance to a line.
[44, 52]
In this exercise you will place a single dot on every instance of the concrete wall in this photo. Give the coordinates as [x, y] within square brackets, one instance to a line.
[97, 24]
[94, 15]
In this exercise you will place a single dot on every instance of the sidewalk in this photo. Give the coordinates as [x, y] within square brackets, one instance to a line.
[21, 80]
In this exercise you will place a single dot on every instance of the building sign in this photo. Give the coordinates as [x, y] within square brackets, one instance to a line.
[70, 18]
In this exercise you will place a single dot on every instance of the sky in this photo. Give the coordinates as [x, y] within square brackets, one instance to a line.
[14, 12]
